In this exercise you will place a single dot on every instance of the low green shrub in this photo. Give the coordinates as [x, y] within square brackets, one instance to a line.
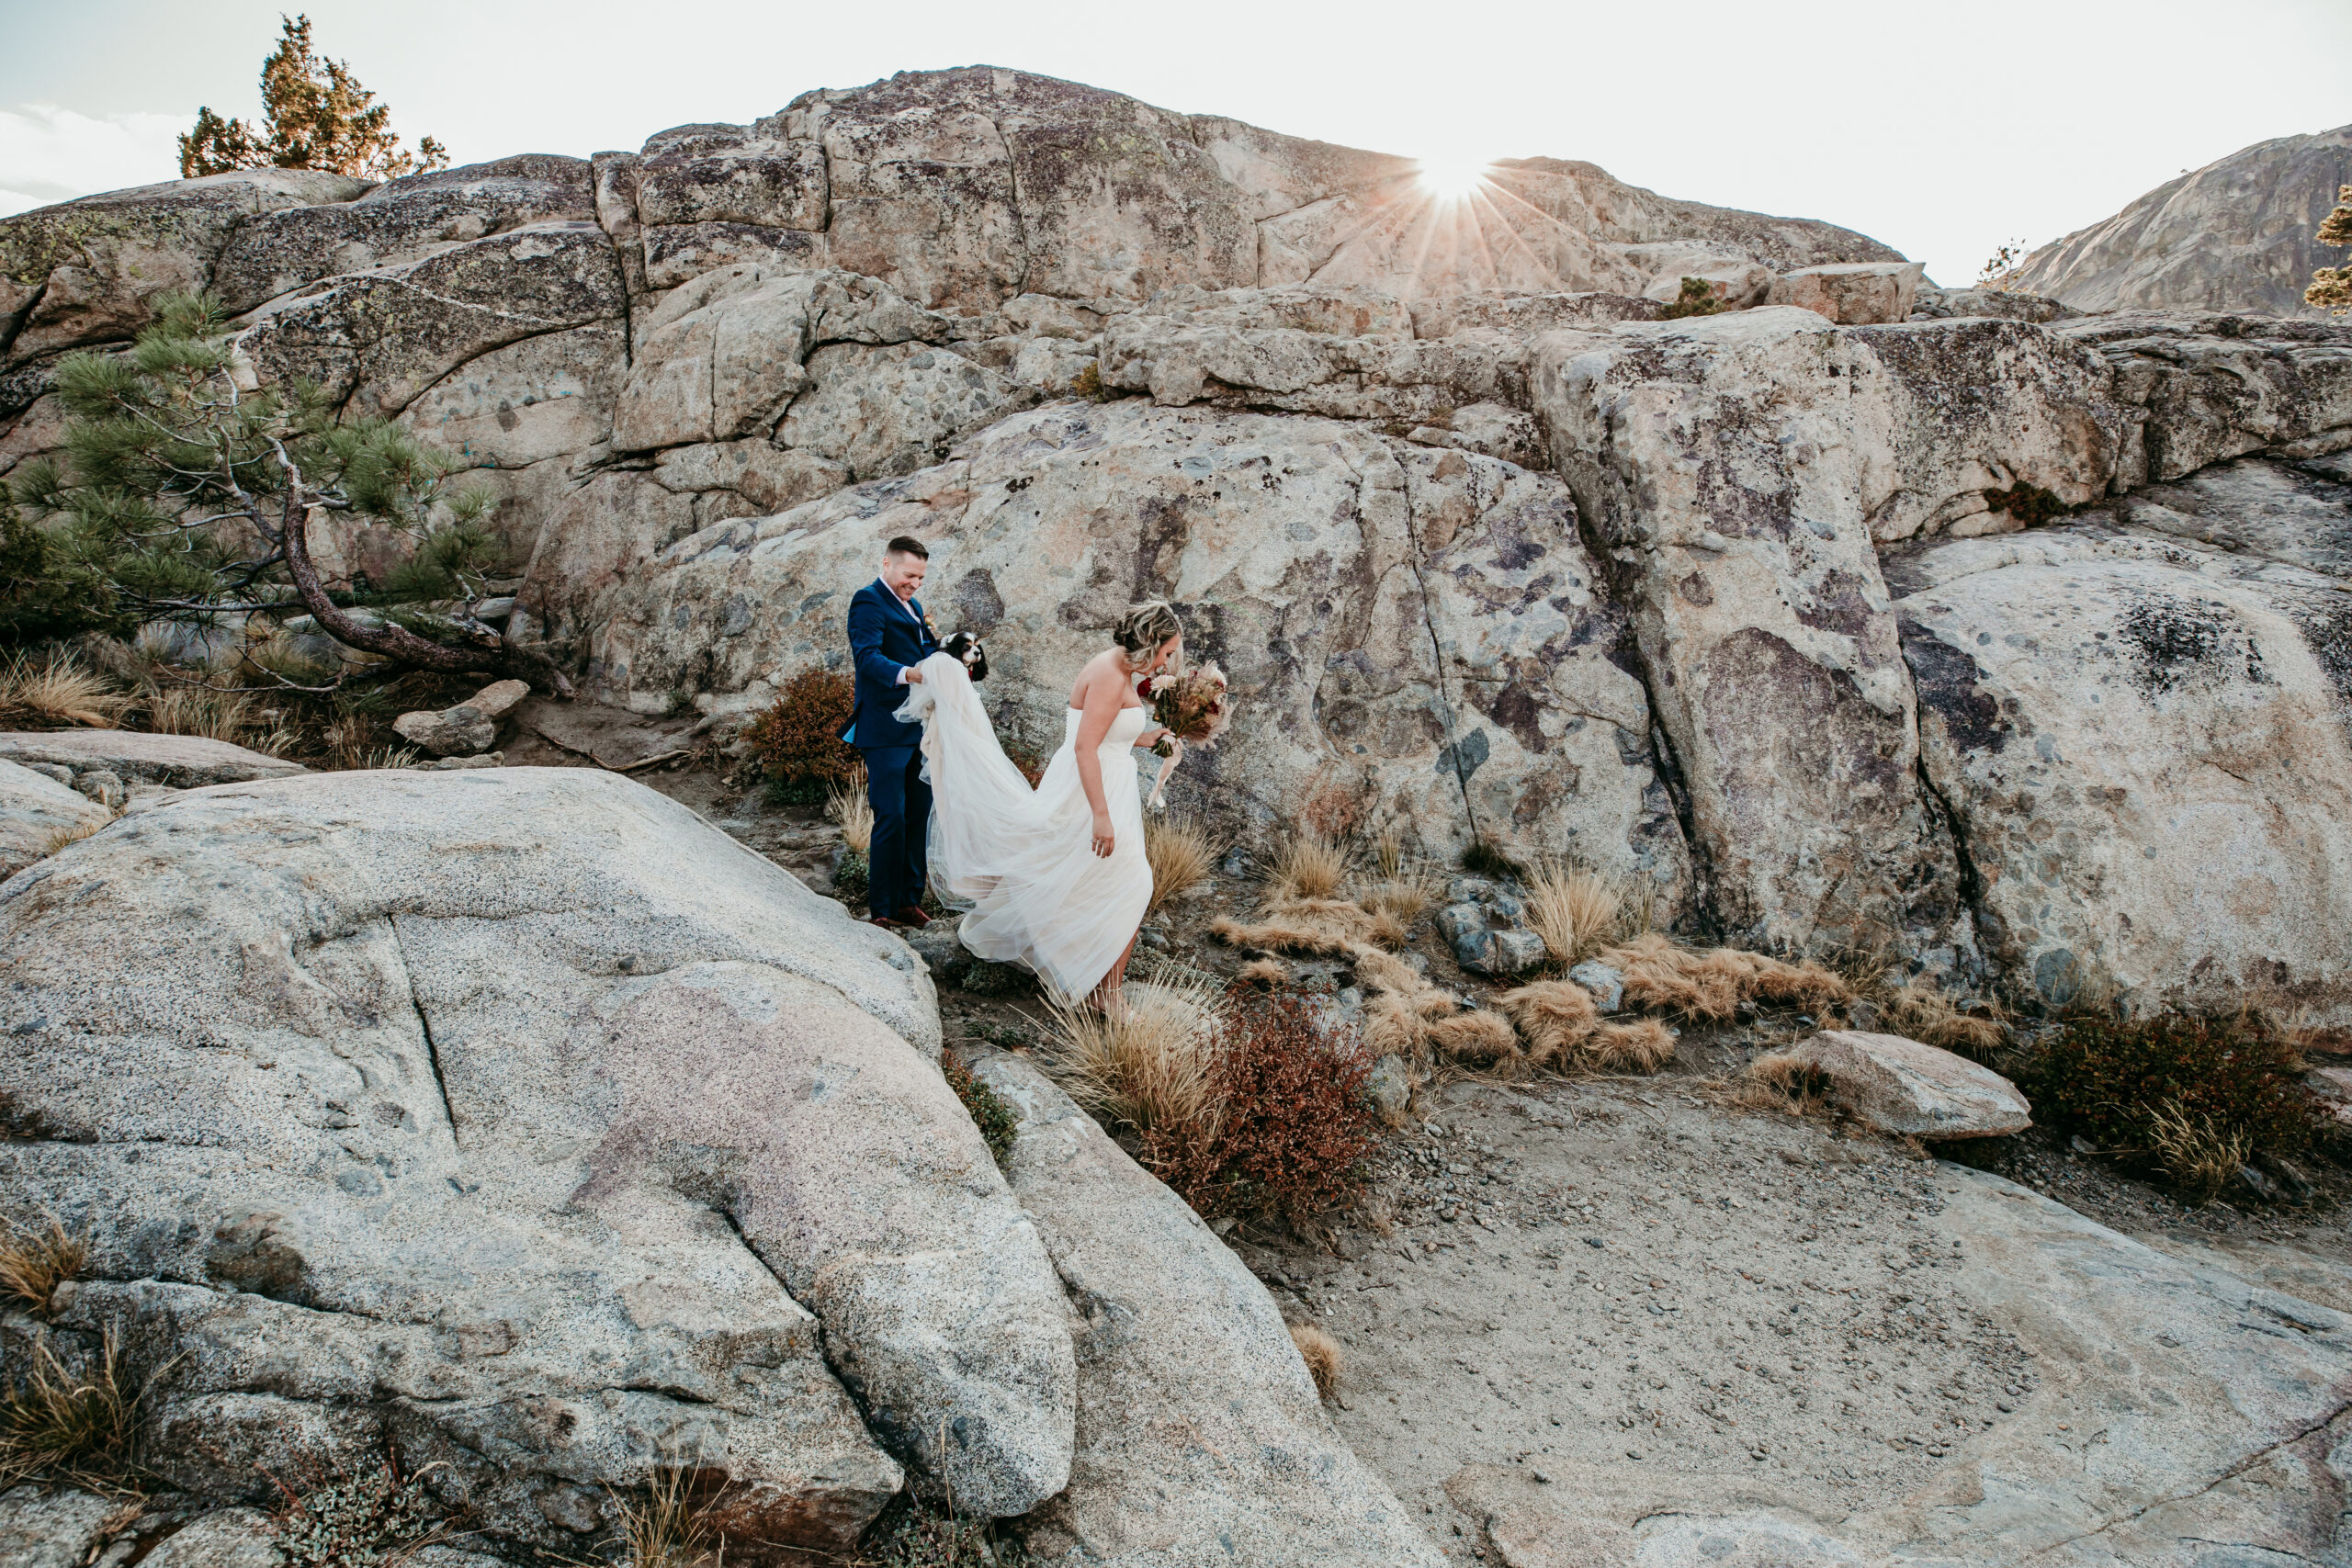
[359, 1521]
[2172, 1093]
[850, 879]
[1697, 297]
[912, 1533]
[997, 1121]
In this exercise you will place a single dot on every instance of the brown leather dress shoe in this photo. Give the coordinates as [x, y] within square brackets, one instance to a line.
[885, 921]
[911, 916]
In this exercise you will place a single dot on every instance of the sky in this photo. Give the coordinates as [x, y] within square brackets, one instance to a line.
[1942, 132]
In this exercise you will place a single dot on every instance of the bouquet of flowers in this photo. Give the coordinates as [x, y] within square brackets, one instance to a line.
[1193, 707]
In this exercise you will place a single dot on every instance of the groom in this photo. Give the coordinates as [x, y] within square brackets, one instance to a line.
[889, 634]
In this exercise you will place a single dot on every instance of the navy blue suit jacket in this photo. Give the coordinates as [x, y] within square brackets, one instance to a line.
[885, 635]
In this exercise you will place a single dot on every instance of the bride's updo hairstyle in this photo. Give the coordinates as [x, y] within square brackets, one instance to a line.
[1144, 627]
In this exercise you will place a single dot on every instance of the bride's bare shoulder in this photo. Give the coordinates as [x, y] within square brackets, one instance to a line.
[1099, 674]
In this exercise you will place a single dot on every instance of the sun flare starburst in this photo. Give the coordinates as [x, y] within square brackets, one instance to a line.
[1452, 179]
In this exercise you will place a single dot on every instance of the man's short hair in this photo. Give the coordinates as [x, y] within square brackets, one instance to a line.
[906, 545]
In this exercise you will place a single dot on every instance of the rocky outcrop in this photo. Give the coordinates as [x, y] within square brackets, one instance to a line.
[180, 761]
[2141, 722]
[400, 1090]
[707, 378]
[2234, 235]
[1201, 1439]
[1415, 628]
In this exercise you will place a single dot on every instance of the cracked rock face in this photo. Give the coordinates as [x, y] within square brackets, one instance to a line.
[1422, 627]
[522, 1116]
[2143, 737]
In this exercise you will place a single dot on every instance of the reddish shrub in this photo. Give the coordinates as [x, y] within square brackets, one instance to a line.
[1294, 1125]
[798, 739]
[2109, 1077]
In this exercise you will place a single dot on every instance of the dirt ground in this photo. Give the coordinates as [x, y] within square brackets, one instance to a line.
[1558, 1278]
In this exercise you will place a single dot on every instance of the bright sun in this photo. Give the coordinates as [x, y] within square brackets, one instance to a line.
[1451, 179]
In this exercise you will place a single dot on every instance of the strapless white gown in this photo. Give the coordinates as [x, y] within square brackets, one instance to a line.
[1020, 862]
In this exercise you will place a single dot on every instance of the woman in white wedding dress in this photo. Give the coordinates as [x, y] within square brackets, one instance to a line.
[1053, 879]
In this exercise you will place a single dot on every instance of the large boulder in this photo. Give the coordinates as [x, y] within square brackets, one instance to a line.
[1416, 631]
[1201, 1439]
[1912, 1091]
[2145, 740]
[1857, 294]
[523, 1118]
[2238, 234]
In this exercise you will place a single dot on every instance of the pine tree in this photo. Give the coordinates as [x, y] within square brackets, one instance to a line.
[2331, 288]
[315, 116]
[185, 495]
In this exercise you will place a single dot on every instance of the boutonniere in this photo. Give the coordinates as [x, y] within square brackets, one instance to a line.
[929, 625]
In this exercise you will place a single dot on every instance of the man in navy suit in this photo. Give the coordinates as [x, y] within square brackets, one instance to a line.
[889, 634]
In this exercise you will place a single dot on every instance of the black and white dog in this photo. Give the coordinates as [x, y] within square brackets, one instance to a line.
[967, 647]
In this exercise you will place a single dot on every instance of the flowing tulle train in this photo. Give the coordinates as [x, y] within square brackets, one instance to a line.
[1020, 862]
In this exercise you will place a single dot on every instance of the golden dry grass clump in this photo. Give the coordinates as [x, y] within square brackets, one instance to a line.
[69, 1424]
[35, 1261]
[1321, 1353]
[847, 807]
[57, 690]
[199, 710]
[1712, 984]
[1181, 853]
[1574, 911]
[1564, 1031]
[1151, 1065]
[1307, 865]
[1923, 1013]
[2198, 1153]
[1267, 972]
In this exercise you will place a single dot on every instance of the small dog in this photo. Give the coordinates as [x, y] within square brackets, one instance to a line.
[967, 647]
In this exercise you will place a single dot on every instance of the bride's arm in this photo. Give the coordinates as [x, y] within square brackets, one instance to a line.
[1103, 699]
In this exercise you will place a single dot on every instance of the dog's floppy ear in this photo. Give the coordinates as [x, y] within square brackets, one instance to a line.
[966, 647]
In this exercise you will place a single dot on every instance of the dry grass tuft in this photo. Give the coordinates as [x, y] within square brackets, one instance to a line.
[1308, 865]
[1574, 911]
[1480, 1039]
[1385, 972]
[199, 710]
[1321, 1353]
[847, 807]
[34, 1262]
[1388, 852]
[1778, 1081]
[57, 690]
[1181, 853]
[665, 1531]
[1923, 1013]
[1152, 1067]
[63, 838]
[1642, 1047]
[1266, 972]
[1563, 1030]
[1407, 899]
[57, 1422]
[1280, 936]
[2197, 1154]
[1712, 984]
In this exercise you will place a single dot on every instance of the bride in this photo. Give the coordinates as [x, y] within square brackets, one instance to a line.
[1053, 879]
